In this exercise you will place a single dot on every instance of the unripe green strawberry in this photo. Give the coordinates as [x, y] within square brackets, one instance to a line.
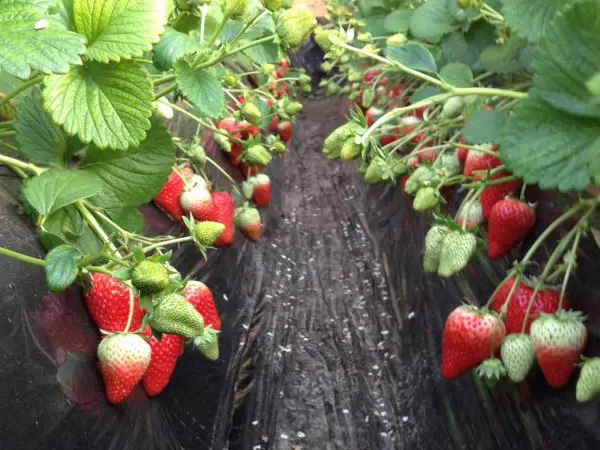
[208, 344]
[198, 155]
[257, 154]
[427, 198]
[396, 39]
[422, 176]
[518, 355]
[322, 38]
[150, 277]
[332, 88]
[368, 97]
[251, 113]
[267, 68]
[472, 214]
[297, 25]
[453, 107]
[272, 5]
[433, 247]
[335, 141]
[375, 170]
[350, 150]
[588, 384]
[231, 80]
[399, 168]
[175, 315]
[235, 8]
[457, 249]
[207, 232]
[278, 148]
[293, 108]
[449, 163]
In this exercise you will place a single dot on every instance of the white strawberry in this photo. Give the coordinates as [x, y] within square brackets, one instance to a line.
[517, 354]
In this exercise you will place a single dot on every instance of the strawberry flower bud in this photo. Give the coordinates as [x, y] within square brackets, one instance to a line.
[198, 155]
[272, 5]
[396, 39]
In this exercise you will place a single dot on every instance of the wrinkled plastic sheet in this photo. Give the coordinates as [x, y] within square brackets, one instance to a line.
[331, 335]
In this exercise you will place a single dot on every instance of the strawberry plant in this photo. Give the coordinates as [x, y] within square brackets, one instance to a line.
[88, 91]
[490, 102]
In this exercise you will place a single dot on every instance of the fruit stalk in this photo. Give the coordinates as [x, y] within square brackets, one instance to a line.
[21, 257]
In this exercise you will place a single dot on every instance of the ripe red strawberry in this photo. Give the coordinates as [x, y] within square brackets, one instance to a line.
[462, 153]
[284, 64]
[247, 129]
[428, 156]
[235, 153]
[370, 75]
[168, 197]
[223, 213]
[285, 130]
[261, 193]
[196, 199]
[546, 301]
[273, 126]
[165, 354]
[477, 161]
[388, 139]
[558, 339]
[122, 359]
[496, 192]
[247, 220]
[467, 339]
[373, 113]
[228, 125]
[395, 92]
[108, 304]
[250, 171]
[510, 221]
[419, 112]
[200, 296]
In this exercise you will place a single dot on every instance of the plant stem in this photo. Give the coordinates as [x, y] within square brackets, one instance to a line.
[165, 91]
[93, 223]
[130, 315]
[163, 80]
[21, 257]
[7, 124]
[165, 243]
[248, 25]
[20, 89]
[224, 173]
[7, 133]
[21, 165]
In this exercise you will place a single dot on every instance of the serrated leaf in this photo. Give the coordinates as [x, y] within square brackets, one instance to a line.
[61, 267]
[457, 74]
[202, 88]
[38, 138]
[136, 176]
[529, 18]
[118, 29]
[172, 46]
[58, 188]
[563, 66]
[398, 21]
[424, 92]
[432, 20]
[376, 25]
[268, 52]
[550, 147]
[128, 217]
[413, 55]
[107, 104]
[24, 48]
[485, 126]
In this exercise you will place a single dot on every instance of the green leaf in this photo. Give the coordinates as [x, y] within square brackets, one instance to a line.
[38, 138]
[424, 92]
[412, 55]
[118, 29]
[504, 58]
[61, 267]
[66, 226]
[268, 52]
[485, 126]
[202, 88]
[398, 21]
[58, 188]
[107, 104]
[455, 48]
[433, 20]
[128, 217]
[529, 18]
[563, 66]
[136, 176]
[172, 46]
[376, 25]
[550, 147]
[457, 74]
[49, 49]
